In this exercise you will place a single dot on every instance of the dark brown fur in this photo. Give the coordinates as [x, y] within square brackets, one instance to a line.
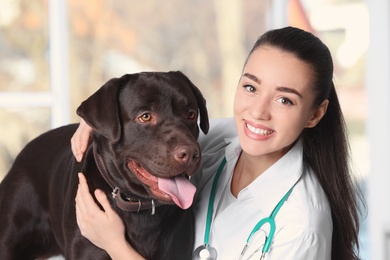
[37, 196]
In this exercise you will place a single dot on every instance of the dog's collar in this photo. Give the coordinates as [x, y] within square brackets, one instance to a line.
[124, 204]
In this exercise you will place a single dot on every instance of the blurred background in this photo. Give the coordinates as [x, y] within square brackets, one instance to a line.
[55, 53]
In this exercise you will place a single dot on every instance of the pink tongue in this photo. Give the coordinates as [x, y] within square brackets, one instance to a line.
[179, 188]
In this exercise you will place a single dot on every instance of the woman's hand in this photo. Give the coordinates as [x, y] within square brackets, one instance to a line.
[79, 140]
[105, 228]
[100, 227]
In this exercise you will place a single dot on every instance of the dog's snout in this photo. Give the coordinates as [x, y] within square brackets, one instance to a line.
[186, 153]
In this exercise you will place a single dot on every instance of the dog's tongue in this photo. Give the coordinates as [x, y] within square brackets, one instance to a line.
[180, 189]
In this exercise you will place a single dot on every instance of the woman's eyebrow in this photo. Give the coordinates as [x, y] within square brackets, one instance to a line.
[252, 77]
[281, 89]
[289, 90]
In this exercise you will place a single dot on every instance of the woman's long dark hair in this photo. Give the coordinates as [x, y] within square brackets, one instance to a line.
[325, 146]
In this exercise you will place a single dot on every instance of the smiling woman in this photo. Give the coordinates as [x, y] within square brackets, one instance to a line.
[262, 94]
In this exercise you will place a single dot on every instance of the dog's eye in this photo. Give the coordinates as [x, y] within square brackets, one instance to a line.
[145, 117]
[192, 115]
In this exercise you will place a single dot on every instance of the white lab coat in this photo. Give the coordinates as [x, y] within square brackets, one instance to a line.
[303, 224]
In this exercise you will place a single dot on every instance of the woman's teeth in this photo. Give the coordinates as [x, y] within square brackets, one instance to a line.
[259, 131]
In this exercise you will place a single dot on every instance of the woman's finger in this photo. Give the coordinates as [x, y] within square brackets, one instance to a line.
[103, 200]
[85, 200]
[79, 140]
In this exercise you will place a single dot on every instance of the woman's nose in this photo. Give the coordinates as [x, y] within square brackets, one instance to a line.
[261, 109]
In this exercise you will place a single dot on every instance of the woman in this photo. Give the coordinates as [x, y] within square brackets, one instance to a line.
[290, 156]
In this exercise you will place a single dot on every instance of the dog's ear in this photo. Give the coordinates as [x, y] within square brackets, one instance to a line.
[101, 110]
[204, 117]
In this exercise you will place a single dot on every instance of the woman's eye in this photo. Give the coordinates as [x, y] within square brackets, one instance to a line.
[145, 117]
[285, 101]
[192, 115]
[250, 88]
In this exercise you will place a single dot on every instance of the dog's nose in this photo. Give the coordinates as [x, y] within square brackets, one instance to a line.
[186, 154]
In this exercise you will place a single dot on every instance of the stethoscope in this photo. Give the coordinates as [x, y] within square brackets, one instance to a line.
[208, 252]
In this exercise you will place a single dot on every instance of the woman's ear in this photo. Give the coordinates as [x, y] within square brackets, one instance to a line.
[318, 114]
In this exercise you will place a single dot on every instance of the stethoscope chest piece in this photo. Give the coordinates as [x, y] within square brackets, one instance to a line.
[204, 252]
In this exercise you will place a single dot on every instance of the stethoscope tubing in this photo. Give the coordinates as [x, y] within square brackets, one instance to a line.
[210, 208]
[270, 220]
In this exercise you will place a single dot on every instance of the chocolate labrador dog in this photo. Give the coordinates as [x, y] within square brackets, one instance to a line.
[142, 151]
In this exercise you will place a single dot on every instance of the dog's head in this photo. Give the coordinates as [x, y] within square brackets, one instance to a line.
[146, 129]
